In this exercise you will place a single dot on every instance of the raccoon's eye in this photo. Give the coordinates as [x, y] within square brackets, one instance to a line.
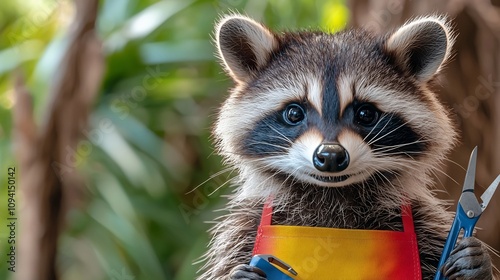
[366, 115]
[293, 114]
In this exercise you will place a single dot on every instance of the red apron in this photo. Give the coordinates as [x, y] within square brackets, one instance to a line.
[329, 253]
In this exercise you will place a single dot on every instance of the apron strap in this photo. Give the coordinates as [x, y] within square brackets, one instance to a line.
[267, 213]
[406, 216]
[265, 220]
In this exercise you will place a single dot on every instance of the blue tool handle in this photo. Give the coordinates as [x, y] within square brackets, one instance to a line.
[271, 271]
[461, 221]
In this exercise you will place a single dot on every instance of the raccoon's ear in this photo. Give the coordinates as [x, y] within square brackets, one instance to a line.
[244, 45]
[421, 46]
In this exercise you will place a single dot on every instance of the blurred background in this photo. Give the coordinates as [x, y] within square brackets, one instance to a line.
[151, 180]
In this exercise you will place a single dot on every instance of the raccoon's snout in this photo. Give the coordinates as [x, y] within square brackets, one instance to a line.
[331, 157]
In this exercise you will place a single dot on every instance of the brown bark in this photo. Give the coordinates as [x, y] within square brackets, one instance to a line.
[47, 177]
[469, 86]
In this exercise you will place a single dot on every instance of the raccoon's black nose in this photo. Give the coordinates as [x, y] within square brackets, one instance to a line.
[330, 157]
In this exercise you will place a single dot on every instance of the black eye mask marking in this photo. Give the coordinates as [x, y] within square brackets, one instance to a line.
[391, 135]
[274, 134]
[271, 135]
[388, 135]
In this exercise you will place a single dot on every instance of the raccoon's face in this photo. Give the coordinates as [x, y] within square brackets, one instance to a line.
[333, 110]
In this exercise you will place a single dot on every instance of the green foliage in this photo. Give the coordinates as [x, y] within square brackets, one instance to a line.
[148, 145]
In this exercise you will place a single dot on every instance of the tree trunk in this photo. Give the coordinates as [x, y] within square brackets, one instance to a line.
[48, 177]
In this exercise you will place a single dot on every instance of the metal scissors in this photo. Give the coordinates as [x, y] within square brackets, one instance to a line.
[468, 211]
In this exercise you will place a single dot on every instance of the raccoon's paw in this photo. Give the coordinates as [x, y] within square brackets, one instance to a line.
[469, 260]
[247, 272]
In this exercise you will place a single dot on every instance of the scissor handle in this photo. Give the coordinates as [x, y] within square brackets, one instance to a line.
[271, 271]
[461, 221]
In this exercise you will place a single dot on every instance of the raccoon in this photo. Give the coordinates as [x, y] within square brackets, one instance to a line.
[339, 130]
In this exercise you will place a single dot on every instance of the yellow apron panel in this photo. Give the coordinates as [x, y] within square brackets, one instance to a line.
[329, 253]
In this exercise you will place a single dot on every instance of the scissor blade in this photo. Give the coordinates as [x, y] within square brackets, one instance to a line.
[280, 263]
[470, 176]
[486, 196]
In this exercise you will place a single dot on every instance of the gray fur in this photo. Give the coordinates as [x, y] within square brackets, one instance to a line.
[372, 202]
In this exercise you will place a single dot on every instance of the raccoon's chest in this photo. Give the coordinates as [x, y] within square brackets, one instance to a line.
[338, 217]
[351, 207]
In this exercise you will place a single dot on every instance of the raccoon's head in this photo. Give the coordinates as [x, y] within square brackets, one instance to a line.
[333, 110]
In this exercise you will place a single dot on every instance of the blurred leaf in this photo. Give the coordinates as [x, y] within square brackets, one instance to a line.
[143, 23]
[13, 57]
[194, 50]
[135, 243]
